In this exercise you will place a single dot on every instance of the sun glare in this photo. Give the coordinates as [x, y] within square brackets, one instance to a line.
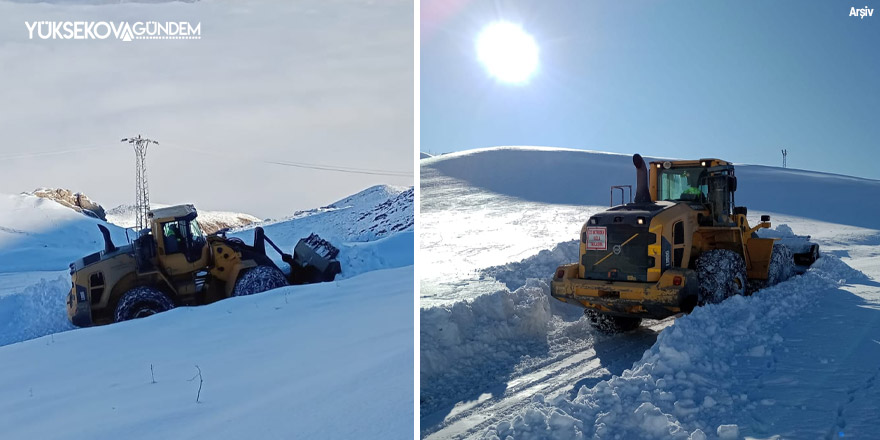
[508, 53]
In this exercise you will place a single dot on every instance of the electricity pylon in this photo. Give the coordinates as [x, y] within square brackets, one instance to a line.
[142, 191]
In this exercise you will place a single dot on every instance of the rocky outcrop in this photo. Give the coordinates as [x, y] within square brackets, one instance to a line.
[212, 222]
[79, 202]
[393, 215]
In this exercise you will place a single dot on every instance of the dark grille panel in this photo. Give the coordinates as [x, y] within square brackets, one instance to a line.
[633, 260]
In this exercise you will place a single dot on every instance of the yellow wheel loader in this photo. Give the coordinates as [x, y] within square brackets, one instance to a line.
[172, 263]
[682, 243]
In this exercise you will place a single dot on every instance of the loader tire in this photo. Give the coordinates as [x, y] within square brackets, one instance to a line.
[781, 265]
[611, 324]
[141, 302]
[721, 274]
[258, 279]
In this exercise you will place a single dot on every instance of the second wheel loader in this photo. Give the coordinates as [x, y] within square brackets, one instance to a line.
[682, 243]
[172, 263]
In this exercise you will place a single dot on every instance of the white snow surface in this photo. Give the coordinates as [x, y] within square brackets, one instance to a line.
[501, 359]
[328, 361]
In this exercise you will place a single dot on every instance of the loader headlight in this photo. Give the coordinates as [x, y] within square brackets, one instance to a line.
[703, 163]
[640, 220]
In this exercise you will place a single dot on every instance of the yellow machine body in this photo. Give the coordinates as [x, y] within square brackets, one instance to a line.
[668, 236]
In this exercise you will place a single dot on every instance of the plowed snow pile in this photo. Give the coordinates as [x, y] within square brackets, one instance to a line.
[699, 378]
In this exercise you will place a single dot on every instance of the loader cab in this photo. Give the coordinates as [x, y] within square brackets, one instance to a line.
[181, 244]
[705, 184]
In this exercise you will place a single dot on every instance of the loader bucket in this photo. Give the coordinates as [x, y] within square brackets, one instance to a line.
[313, 261]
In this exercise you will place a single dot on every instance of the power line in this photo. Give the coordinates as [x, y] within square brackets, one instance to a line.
[49, 153]
[313, 166]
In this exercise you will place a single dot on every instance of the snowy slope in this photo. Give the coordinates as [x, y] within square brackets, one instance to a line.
[372, 214]
[501, 359]
[39, 234]
[297, 362]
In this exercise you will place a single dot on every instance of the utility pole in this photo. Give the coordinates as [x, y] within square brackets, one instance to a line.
[784, 157]
[142, 192]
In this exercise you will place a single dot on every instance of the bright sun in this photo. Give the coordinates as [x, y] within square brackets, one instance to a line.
[508, 52]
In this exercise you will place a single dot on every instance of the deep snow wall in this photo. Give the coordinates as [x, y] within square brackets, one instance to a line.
[572, 177]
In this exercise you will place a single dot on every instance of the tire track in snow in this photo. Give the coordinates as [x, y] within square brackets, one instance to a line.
[469, 419]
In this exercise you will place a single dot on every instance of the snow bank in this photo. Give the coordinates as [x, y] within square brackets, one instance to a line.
[386, 253]
[37, 310]
[682, 387]
[488, 335]
[322, 361]
[540, 266]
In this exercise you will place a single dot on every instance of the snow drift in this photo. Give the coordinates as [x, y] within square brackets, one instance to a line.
[578, 177]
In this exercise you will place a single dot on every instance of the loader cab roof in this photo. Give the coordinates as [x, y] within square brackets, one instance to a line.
[174, 212]
[706, 163]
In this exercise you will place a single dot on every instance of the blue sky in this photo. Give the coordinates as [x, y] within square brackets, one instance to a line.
[737, 80]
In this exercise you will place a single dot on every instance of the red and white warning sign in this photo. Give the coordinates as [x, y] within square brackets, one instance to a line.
[597, 239]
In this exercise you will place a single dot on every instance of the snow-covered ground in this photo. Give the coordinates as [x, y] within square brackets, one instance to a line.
[282, 364]
[331, 360]
[499, 358]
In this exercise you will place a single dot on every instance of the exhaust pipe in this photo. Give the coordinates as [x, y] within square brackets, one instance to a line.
[260, 240]
[108, 243]
[642, 193]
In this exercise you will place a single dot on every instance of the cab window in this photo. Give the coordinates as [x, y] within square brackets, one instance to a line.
[682, 184]
[173, 236]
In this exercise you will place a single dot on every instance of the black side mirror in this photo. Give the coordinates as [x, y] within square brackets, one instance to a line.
[765, 218]
[732, 183]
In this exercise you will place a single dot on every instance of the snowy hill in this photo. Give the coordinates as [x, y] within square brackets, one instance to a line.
[423, 155]
[501, 359]
[210, 221]
[372, 213]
